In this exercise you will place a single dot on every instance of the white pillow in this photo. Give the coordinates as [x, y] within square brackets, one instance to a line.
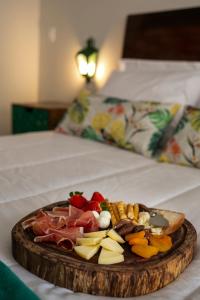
[157, 65]
[161, 86]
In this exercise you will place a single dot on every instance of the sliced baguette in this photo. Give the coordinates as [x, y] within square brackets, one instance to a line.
[174, 218]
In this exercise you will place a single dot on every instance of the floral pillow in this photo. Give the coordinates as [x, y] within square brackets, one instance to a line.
[184, 146]
[136, 126]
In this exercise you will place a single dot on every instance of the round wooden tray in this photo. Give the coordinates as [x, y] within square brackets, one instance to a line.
[134, 277]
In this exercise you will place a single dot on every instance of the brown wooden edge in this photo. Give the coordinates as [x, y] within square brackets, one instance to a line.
[168, 35]
[102, 280]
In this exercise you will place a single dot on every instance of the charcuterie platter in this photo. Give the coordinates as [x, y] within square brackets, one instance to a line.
[126, 259]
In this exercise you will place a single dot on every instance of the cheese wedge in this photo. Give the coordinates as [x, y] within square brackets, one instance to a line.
[99, 234]
[107, 257]
[115, 236]
[86, 252]
[88, 241]
[111, 245]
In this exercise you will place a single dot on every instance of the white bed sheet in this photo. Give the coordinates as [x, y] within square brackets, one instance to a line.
[38, 169]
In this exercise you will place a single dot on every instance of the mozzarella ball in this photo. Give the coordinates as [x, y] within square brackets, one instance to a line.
[105, 214]
[104, 222]
[96, 214]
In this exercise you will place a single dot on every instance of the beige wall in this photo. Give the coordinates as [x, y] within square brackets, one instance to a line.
[19, 57]
[39, 39]
[76, 20]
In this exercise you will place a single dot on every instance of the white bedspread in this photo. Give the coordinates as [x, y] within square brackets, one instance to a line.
[37, 169]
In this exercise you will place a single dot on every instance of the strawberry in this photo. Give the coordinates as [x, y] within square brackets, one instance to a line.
[76, 199]
[92, 205]
[97, 197]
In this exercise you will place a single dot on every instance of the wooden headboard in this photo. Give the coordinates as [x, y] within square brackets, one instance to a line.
[171, 35]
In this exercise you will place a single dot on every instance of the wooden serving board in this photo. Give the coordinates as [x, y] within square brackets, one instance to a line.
[135, 276]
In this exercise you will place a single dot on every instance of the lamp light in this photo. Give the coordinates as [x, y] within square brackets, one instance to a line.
[87, 60]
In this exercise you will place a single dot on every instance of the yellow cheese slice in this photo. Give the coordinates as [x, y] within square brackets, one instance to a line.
[111, 245]
[108, 257]
[99, 234]
[115, 236]
[88, 241]
[86, 252]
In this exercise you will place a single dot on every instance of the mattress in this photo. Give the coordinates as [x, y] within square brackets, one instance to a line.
[41, 168]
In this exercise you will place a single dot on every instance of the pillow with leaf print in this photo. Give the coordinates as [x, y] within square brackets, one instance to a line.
[136, 126]
[184, 146]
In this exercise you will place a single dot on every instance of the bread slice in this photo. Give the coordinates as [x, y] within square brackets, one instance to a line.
[174, 218]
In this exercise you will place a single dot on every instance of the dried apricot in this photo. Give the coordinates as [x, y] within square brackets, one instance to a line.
[144, 250]
[139, 234]
[163, 243]
[138, 241]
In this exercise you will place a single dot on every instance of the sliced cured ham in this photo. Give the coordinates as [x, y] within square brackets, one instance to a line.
[66, 243]
[43, 224]
[72, 233]
[62, 225]
[45, 238]
[75, 212]
[43, 221]
[86, 220]
[70, 212]
[29, 222]
[63, 242]
[62, 211]
[64, 238]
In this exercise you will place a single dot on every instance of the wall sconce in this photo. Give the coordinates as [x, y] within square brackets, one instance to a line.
[87, 60]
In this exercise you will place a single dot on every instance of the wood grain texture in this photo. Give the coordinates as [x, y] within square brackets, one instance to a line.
[171, 35]
[134, 277]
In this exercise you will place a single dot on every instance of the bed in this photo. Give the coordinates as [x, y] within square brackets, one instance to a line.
[41, 168]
